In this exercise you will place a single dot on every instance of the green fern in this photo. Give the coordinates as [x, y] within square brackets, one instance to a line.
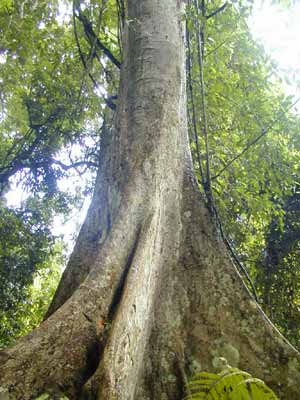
[230, 384]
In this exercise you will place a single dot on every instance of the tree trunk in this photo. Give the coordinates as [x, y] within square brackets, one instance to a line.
[149, 295]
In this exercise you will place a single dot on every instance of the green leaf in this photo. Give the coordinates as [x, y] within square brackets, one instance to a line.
[230, 384]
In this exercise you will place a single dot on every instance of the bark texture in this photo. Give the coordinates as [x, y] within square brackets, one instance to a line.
[149, 295]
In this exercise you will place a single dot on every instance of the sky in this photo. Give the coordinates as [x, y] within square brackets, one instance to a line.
[274, 26]
[278, 29]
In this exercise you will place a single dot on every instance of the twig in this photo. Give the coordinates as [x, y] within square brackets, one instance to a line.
[255, 140]
[74, 164]
[217, 47]
[233, 254]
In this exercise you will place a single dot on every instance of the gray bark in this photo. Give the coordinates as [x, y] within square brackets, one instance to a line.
[150, 294]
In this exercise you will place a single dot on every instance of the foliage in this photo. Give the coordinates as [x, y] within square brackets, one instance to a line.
[278, 274]
[230, 384]
[253, 154]
[50, 125]
[46, 111]
[30, 262]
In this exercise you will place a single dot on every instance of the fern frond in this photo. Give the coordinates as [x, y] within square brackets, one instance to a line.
[230, 384]
[254, 389]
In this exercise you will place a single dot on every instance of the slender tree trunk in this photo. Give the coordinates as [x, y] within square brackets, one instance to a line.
[150, 294]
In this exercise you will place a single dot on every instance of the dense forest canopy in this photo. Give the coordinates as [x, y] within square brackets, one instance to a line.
[59, 71]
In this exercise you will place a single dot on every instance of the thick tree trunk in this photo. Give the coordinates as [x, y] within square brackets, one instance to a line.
[149, 294]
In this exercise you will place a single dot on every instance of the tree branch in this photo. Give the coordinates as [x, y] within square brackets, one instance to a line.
[74, 165]
[91, 36]
[77, 39]
[217, 11]
[108, 101]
